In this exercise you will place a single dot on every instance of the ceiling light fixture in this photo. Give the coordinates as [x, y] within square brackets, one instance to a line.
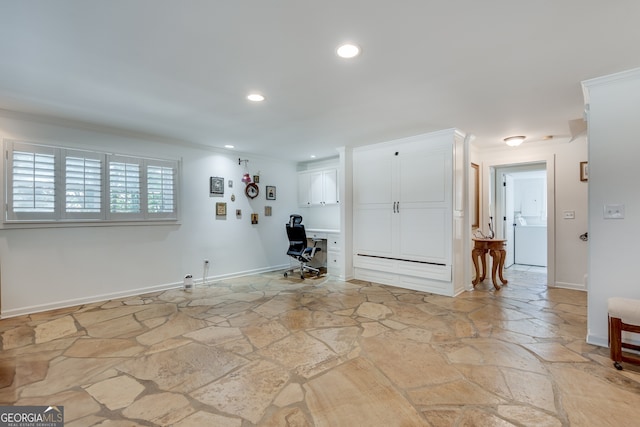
[348, 51]
[255, 97]
[229, 146]
[514, 141]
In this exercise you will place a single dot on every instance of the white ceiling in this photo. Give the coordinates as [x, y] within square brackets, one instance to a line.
[181, 69]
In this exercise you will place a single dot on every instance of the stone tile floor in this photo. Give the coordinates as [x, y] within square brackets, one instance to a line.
[269, 351]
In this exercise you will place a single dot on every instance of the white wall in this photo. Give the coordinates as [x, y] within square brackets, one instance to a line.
[47, 268]
[568, 252]
[614, 152]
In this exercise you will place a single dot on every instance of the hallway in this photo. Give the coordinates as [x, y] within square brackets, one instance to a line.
[269, 351]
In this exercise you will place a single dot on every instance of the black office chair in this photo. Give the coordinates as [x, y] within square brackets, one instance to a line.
[298, 248]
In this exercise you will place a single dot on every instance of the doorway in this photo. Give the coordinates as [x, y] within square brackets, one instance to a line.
[519, 194]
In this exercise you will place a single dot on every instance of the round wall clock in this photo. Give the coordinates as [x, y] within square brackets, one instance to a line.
[252, 190]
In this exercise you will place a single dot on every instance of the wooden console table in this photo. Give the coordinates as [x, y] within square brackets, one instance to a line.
[495, 248]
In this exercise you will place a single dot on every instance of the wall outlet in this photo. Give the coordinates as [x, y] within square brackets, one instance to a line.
[614, 211]
[569, 214]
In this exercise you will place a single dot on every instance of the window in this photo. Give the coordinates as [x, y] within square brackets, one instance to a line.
[31, 185]
[57, 184]
[161, 199]
[83, 185]
[124, 187]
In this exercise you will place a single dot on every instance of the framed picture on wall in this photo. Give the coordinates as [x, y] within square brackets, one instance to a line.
[221, 209]
[474, 187]
[216, 186]
[271, 192]
[584, 171]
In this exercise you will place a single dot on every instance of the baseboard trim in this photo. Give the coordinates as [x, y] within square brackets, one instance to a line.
[598, 340]
[604, 341]
[574, 286]
[130, 292]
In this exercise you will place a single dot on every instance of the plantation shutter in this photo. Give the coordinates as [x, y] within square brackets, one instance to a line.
[32, 182]
[125, 187]
[83, 185]
[161, 191]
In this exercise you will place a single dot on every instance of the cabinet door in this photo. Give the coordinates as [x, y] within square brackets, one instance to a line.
[424, 177]
[423, 235]
[316, 196]
[304, 182]
[372, 178]
[330, 186]
[374, 217]
[424, 231]
[373, 231]
[318, 187]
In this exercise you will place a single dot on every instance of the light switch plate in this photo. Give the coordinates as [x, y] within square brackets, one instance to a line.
[614, 211]
[569, 215]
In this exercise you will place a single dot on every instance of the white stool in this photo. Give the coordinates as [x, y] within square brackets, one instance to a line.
[624, 315]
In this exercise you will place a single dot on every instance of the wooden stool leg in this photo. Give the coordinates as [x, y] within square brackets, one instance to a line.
[615, 341]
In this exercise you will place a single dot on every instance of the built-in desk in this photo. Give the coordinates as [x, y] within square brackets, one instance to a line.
[330, 255]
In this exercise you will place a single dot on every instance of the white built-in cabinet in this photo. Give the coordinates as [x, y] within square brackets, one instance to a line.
[403, 212]
[334, 255]
[318, 187]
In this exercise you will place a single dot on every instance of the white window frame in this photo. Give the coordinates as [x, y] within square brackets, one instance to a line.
[61, 215]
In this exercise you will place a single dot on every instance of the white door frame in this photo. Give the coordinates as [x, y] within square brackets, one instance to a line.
[550, 162]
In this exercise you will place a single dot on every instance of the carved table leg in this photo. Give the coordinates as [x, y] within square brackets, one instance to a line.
[495, 258]
[503, 256]
[474, 256]
[483, 254]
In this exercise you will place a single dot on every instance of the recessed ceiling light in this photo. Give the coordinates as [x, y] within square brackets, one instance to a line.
[313, 156]
[229, 146]
[255, 97]
[348, 51]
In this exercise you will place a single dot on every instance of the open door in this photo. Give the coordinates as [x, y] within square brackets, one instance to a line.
[521, 190]
[509, 220]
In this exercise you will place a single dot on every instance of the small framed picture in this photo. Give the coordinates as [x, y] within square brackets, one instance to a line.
[230, 183]
[254, 218]
[238, 213]
[221, 209]
[216, 186]
[267, 211]
[584, 171]
[271, 192]
[256, 179]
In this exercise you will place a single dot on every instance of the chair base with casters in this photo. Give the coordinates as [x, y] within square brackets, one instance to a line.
[624, 315]
[303, 260]
[298, 249]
